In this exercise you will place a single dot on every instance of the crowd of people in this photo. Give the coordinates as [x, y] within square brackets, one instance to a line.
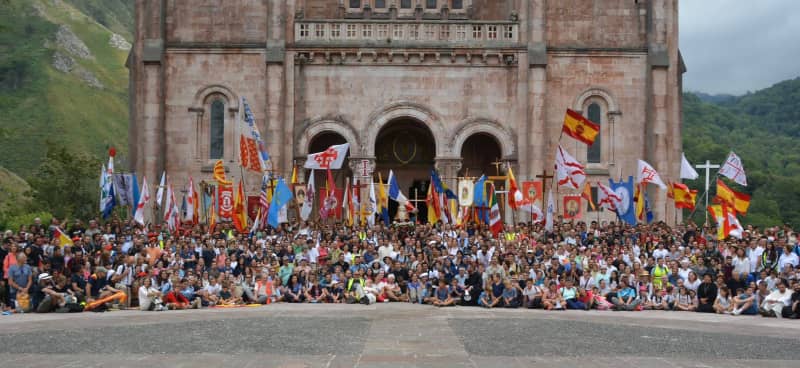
[582, 266]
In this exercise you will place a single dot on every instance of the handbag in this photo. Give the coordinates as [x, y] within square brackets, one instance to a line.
[23, 302]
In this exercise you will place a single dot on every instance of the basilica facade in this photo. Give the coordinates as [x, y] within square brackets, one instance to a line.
[468, 87]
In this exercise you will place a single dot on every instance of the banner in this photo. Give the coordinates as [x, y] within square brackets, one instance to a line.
[332, 203]
[465, 192]
[253, 205]
[531, 191]
[225, 198]
[572, 208]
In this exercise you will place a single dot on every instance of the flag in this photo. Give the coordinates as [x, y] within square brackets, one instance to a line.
[384, 201]
[532, 190]
[647, 174]
[355, 201]
[329, 203]
[587, 195]
[683, 196]
[331, 158]
[740, 202]
[732, 226]
[579, 127]
[107, 197]
[465, 192]
[569, 172]
[123, 188]
[625, 208]
[515, 196]
[281, 196]
[495, 222]
[687, 171]
[212, 219]
[138, 215]
[733, 169]
[63, 239]
[294, 176]
[534, 210]
[572, 208]
[239, 212]
[252, 150]
[308, 203]
[347, 208]
[394, 190]
[372, 205]
[607, 198]
[643, 211]
[171, 210]
[225, 201]
[551, 211]
[479, 192]
[256, 223]
[716, 212]
[432, 200]
[441, 197]
[191, 205]
[219, 174]
[161, 185]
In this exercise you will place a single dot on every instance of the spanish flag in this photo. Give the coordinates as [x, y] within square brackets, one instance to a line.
[239, 211]
[515, 197]
[683, 196]
[63, 239]
[740, 202]
[580, 128]
[587, 195]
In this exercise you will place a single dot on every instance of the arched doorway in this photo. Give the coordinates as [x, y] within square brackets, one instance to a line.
[407, 147]
[319, 143]
[479, 153]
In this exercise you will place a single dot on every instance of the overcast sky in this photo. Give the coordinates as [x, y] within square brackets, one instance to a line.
[733, 46]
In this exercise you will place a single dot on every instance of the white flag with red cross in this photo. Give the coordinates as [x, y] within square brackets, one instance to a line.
[733, 169]
[329, 159]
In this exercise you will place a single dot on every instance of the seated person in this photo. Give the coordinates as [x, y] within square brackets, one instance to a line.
[744, 302]
[443, 298]
[510, 295]
[626, 297]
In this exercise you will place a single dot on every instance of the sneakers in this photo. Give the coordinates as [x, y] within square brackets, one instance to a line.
[736, 311]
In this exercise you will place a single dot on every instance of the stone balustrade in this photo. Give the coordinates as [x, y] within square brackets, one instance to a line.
[370, 31]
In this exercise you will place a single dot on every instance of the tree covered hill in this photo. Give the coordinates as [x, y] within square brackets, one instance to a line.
[763, 128]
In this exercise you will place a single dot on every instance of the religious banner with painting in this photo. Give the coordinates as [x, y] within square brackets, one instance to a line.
[333, 204]
[466, 193]
[225, 198]
[253, 205]
[300, 193]
[531, 191]
[572, 208]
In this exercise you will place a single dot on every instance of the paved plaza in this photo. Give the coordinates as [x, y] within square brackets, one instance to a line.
[395, 335]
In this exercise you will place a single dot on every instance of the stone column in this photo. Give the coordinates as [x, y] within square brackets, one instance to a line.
[448, 168]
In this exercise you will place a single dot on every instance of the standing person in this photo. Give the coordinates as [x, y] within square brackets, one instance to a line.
[706, 295]
[20, 278]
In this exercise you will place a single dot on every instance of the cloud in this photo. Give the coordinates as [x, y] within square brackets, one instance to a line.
[736, 46]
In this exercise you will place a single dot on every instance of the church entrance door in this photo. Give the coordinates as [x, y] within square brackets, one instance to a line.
[407, 147]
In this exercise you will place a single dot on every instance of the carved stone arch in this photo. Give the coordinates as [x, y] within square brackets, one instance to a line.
[404, 109]
[314, 127]
[201, 97]
[474, 126]
[596, 92]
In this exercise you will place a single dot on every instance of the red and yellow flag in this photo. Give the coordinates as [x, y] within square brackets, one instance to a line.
[580, 128]
[239, 212]
[219, 173]
[63, 239]
[515, 197]
[683, 196]
[587, 195]
[739, 202]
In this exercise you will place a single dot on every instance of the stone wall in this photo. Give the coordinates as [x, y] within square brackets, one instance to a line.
[214, 21]
[595, 24]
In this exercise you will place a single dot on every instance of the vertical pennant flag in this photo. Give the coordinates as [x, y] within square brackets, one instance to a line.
[263, 201]
[355, 201]
[346, 204]
[515, 196]
[718, 215]
[372, 204]
[294, 176]
[625, 207]
[308, 204]
[587, 195]
[280, 198]
[687, 171]
[384, 201]
[239, 211]
[733, 169]
[107, 195]
[569, 172]
[572, 208]
[495, 221]
[466, 191]
[532, 190]
[551, 211]
[160, 191]
[138, 215]
[647, 174]
[171, 210]
[432, 201]
[191, 205]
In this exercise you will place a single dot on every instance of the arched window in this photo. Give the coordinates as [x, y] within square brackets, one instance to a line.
[594, 114]
[217, 130]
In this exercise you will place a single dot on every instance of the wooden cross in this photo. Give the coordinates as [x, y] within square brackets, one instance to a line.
[497, 165]
[544, 176]
[707, 166]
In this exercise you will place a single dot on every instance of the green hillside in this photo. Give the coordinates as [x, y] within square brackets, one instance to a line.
[61, 79]
[762, 128]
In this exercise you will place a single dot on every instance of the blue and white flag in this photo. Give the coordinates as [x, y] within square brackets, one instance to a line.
[280, 198]
[107, 201]
[625, 207]
[394, 190]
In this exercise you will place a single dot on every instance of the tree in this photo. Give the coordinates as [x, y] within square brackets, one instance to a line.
[66, 183]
